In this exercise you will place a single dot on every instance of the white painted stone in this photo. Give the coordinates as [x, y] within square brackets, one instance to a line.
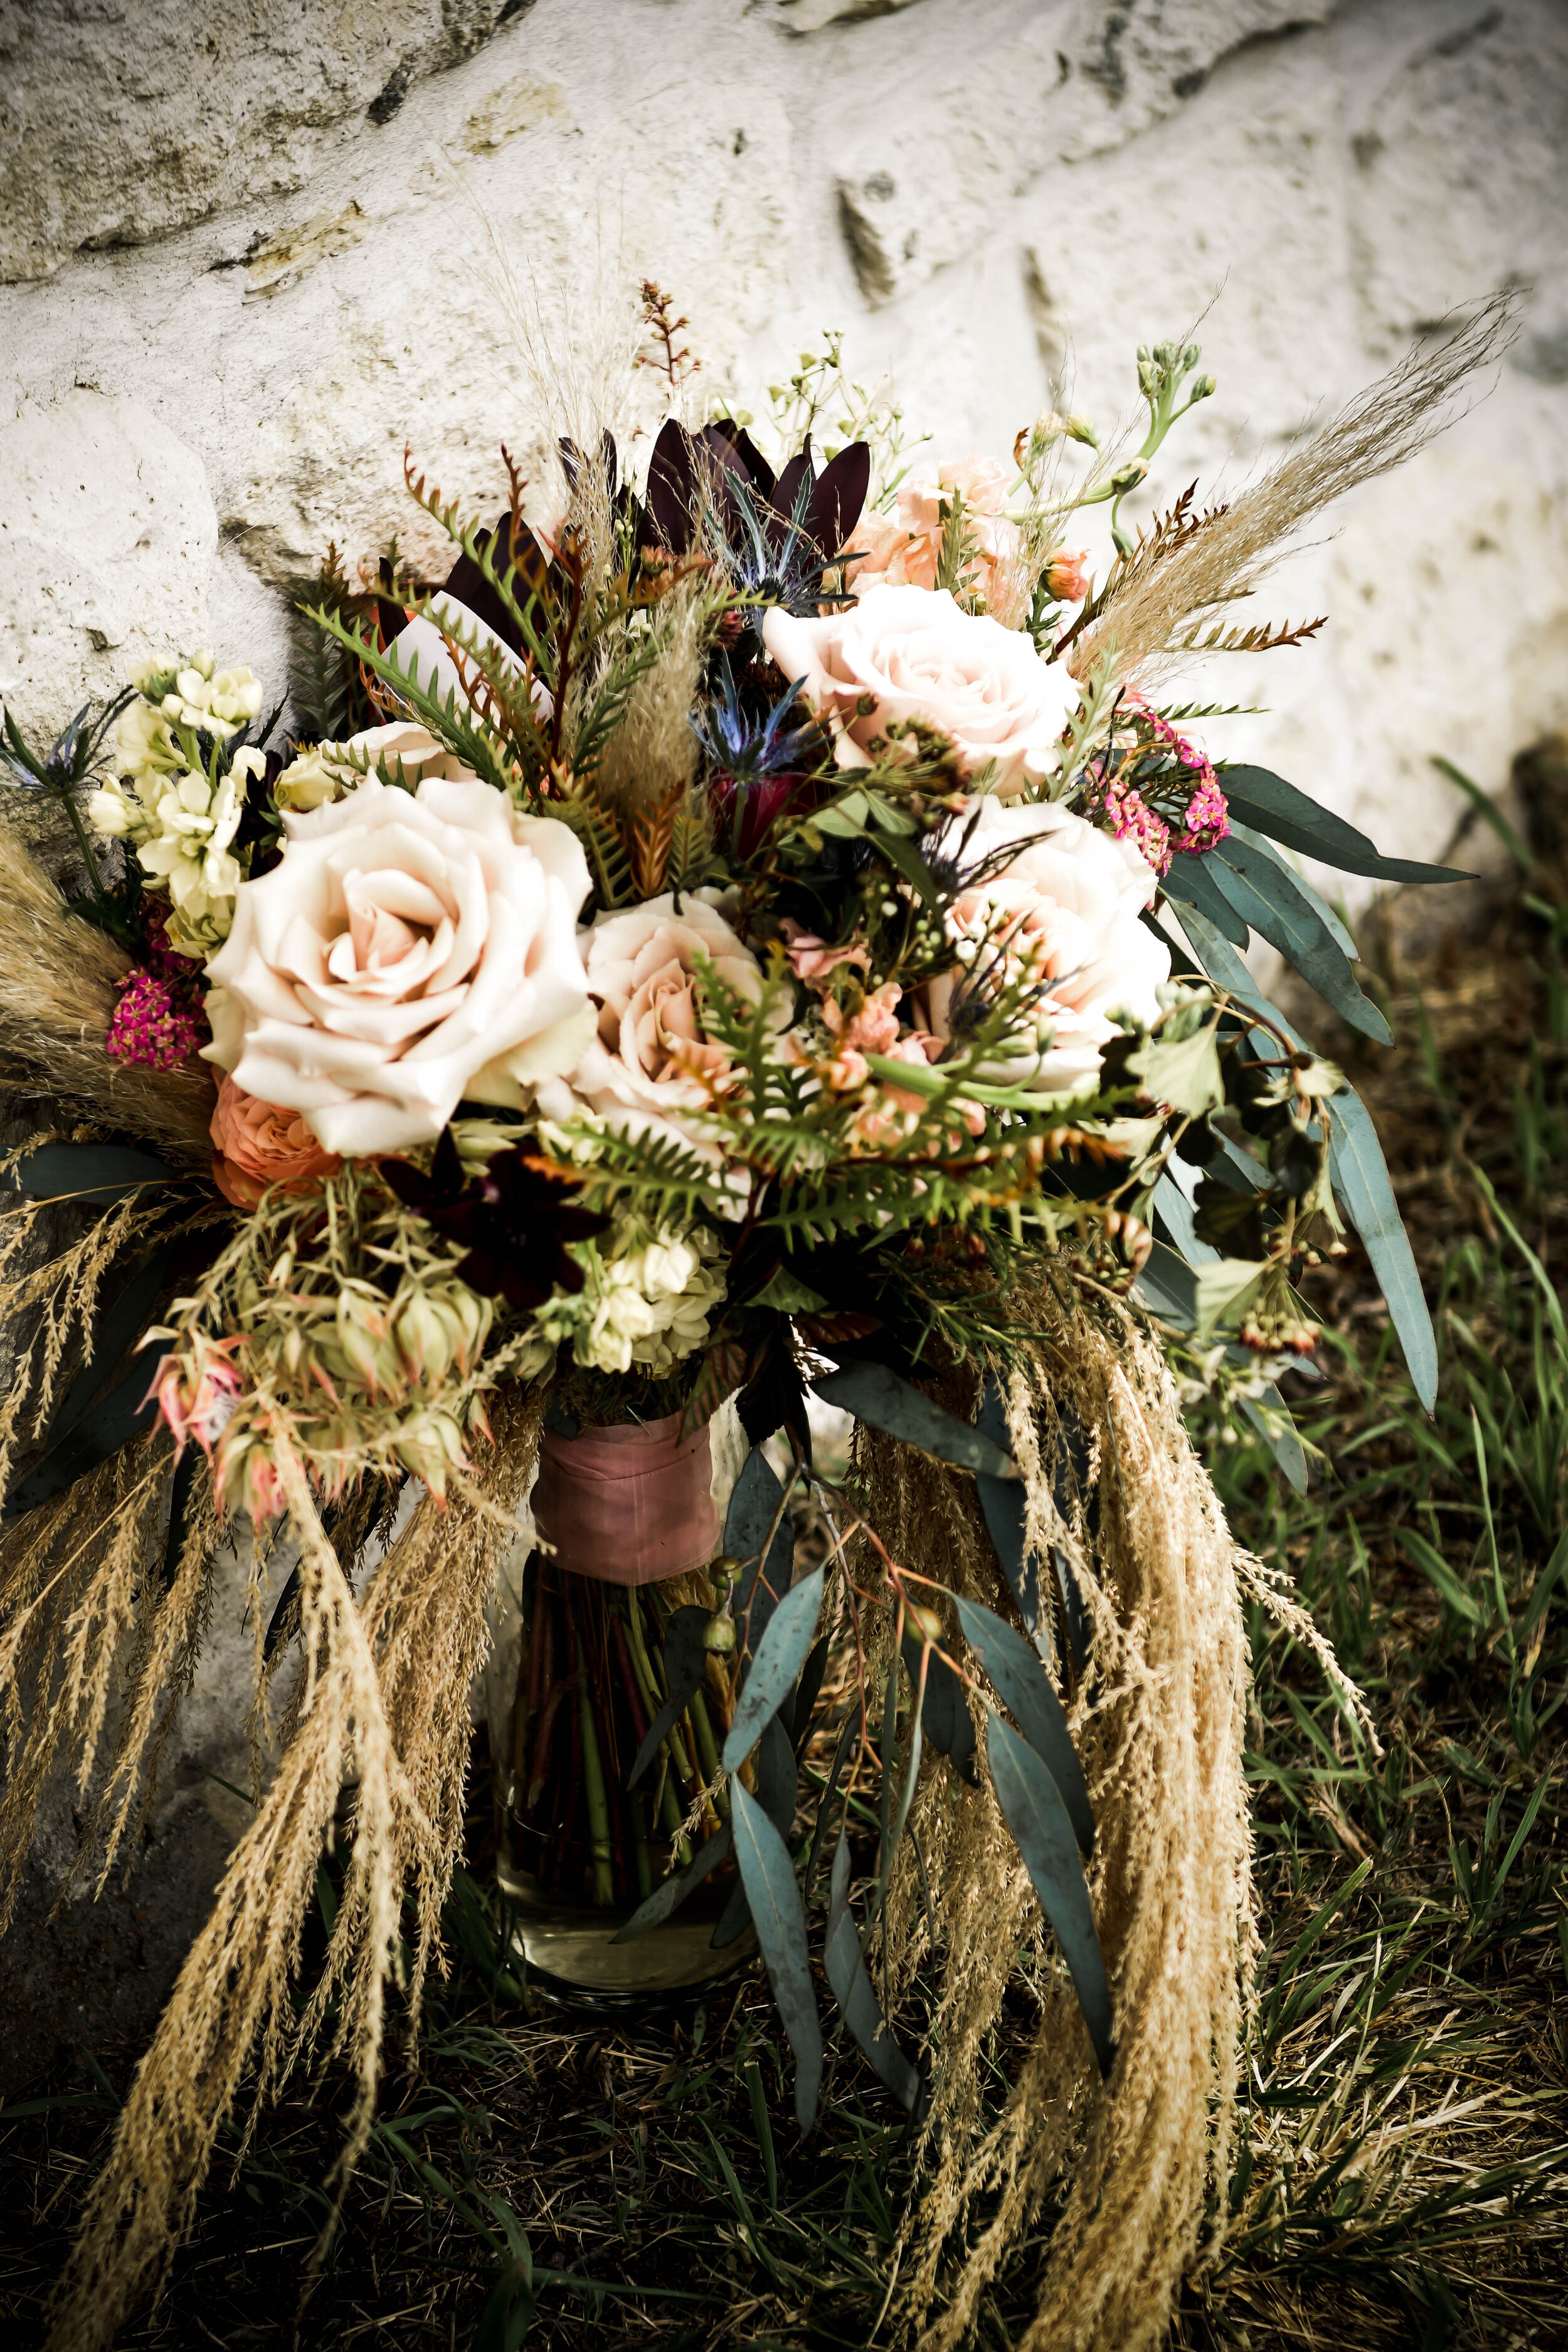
[108, 548]
[119, 124]
[998, 197]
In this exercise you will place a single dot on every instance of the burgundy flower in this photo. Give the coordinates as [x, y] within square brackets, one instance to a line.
[514, 1220]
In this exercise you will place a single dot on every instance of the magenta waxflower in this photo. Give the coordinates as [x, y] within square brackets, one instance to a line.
[1130, 818]
[149, 1028]
[1208, 816]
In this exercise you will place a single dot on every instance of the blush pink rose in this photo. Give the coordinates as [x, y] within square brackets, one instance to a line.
[260, 1144]
[915, 653]
[410, 948]
[904, 550]
[653, 1063]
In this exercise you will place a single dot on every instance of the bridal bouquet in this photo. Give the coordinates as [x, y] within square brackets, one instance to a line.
[762, 934]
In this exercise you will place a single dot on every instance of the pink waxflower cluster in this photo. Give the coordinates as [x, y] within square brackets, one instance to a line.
[1207, 819]
[1130, 818]
[150, 1028]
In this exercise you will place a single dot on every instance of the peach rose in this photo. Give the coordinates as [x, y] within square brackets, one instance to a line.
[904, 550]
[258, 1144]
[914, 652]
[408, 950]
[653, 1063]
[1065, 908]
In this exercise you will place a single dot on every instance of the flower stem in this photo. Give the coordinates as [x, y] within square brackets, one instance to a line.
[595, 1791]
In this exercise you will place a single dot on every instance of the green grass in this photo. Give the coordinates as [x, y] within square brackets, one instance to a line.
[1403, 2176]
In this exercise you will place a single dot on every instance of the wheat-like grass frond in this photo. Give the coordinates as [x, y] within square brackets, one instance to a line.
[381, 1712]
[1149, 621]
[1160, 1730]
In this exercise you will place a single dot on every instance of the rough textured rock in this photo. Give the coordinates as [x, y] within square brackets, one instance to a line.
[258, 249]
[121, 123]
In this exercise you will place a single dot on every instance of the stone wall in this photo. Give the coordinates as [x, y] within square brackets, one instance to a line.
[247, 252]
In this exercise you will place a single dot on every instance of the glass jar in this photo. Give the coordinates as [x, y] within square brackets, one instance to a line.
[627, 1521]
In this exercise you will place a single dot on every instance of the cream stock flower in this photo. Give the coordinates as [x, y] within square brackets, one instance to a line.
[914, 652]
[645, 1300]
[1066, 907]
[409, 950]
[182, 824]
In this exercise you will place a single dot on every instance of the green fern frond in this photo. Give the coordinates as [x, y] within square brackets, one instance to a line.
[472, 743]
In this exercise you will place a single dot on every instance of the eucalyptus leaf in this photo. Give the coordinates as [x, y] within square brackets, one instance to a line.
[754, 1510]
[1282, 1441]
[1332, 922]
[775, 1664]
[668, 1899]
[845, 1965]
[944, 1716]
[123, 1323]
[875, 1395]
[1024, 1686]
[1359, 1174]
[1225, 1287]
[98, 1173]
[1267, 894]
[1033, 1809]
[1190, 885]
[768, 1876]
[1268, 804]
[829, 1789]
[122, 1414]
[1005, 1503]
[808, 1690]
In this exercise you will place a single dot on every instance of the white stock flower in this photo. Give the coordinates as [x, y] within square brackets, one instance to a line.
[182, 826]
[217, 704]
[407, 950]
[645, 1300]
[1064, 909]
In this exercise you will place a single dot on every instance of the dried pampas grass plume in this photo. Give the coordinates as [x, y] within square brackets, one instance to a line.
[382, 1712]
[1160, 1727]
[60, 983]
[1167, 587]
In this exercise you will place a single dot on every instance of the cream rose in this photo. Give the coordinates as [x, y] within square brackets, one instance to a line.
[1065, 908]
[914, 652]
[327, 770]
[409, 950]
[652, 1062]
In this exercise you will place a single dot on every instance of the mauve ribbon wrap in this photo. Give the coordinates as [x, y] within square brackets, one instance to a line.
[629, 1503]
